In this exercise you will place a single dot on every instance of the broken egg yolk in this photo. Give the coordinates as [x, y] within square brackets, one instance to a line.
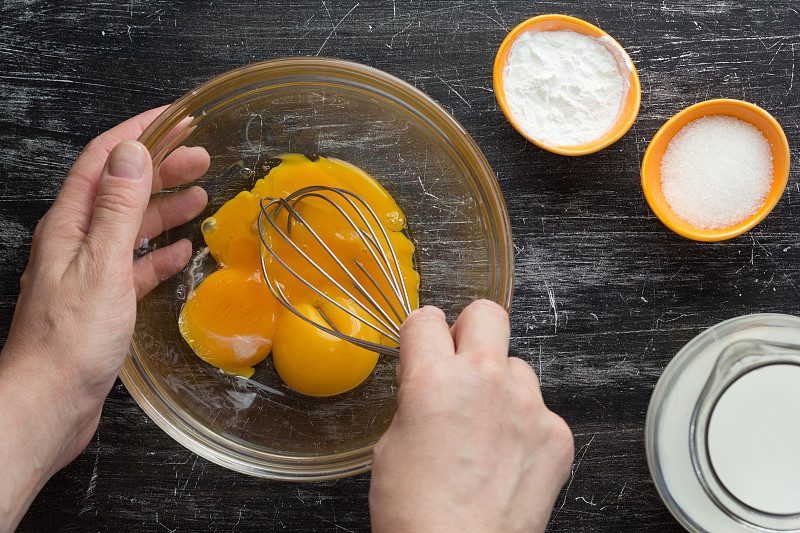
[226, 322]
[232, 321]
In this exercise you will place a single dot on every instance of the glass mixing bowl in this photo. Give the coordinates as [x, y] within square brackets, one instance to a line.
[409, 144]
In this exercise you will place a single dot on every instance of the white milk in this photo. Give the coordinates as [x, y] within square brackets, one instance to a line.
[754, 438]
[748, 455]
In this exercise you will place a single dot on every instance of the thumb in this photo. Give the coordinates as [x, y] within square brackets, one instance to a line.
[122, 196]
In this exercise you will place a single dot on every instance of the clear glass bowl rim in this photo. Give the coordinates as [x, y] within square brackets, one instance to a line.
[157, 138]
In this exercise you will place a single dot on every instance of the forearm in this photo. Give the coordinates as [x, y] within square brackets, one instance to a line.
[33, 435]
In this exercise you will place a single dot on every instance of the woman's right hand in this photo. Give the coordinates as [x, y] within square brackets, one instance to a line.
[472, 446]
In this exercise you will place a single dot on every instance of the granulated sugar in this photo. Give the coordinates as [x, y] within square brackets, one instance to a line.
[716, 172]
[564, 88]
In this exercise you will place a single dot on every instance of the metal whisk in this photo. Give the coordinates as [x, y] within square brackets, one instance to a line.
[382, 311]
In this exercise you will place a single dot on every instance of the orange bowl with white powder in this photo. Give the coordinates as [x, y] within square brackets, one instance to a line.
[631, 90]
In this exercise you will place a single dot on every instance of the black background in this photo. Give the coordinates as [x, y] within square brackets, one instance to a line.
[605, 294]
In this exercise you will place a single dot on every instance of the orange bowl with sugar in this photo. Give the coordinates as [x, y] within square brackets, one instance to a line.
[743, 111]
[312, 107]
[631, 95]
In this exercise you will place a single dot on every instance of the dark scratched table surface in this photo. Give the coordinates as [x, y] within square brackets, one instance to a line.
[605, 295]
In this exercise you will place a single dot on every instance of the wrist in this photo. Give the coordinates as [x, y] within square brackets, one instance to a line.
[51, 378]
[37, 432]
[430, 513]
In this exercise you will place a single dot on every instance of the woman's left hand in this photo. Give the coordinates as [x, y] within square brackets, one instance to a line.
[77, 306]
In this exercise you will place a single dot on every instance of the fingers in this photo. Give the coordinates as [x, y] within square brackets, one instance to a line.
[483, 330]
[73, 208]
[524, 376]
[93, 157]
[184, 165]
[159, 265]
[82, 177]
[424, 335]
[171, 210]
[123, 192]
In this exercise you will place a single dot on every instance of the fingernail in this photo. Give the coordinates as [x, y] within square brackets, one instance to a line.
[127, 161]
[430, 309]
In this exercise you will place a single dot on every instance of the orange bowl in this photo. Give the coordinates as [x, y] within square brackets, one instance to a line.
[633, 91]
[651, 165]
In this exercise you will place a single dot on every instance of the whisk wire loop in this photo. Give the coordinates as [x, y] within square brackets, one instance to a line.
[279, 295]
[390, 269]
[384, 257]
[392, 276]
[280, 201]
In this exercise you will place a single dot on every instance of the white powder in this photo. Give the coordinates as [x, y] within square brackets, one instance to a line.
[716, 172]
[753, 438]
[564, 88]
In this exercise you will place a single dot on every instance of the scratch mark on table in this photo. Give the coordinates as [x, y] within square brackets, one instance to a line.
[758, 37]
[500, 24]
[240, 517]
[165, 527]
[93, 481]
[767, 285]
[391, 41]
[454, 91]
[778, 51]
[334, 524]
[335, 27]
[479, 87]
[540, 364]
[575, 467]
[791, 284]
[552, 297]
[425, 192]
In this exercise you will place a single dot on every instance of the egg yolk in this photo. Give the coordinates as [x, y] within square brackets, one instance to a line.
[227, 323]
[316, 363]
[232, 321]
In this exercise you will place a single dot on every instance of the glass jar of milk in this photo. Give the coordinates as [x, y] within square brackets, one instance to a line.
[723, 428]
